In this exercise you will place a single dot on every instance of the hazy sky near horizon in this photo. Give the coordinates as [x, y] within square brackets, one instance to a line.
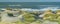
[29, 0]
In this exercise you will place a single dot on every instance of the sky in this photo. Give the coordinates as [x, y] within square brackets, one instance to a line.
[29, 0]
